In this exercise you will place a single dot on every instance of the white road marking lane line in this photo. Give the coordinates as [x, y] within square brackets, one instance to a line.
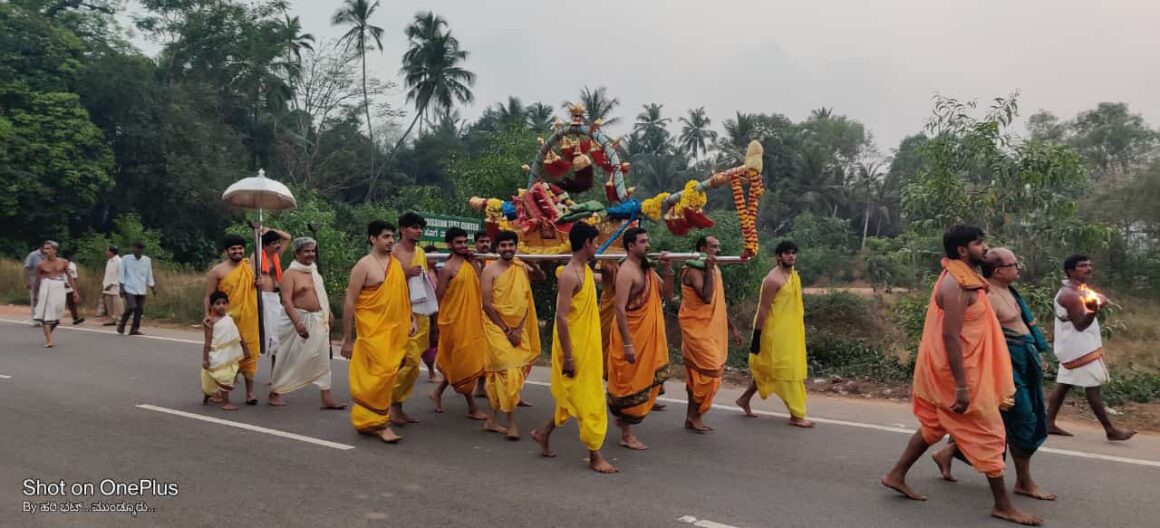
[112, 333]
[248, 427]
[5, 377]
[703, 523]
[905, 430]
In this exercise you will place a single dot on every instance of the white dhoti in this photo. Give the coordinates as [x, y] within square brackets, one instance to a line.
[1092, 374]
[302, 362]
[224, 354]
[273, 315]
[51, 301]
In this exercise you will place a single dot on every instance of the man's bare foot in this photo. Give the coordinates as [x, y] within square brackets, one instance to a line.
[801, 422]
[658, 406]
[632, 442]
[900, 486]
[523, 403]
[276, 400]
[490, 425]
[1033, 491]
[743, 403]
[598, 464]
[388, 436]
[513, 433]
[1017, 516]
[401, 418]
[332, 406]
[1119, 435]
[431, 378]
[542, 440]
[229, 407]
[437, 400]
[479, 415]
[943, 458]
[1055, 430]
[698, 426]
[49, 345]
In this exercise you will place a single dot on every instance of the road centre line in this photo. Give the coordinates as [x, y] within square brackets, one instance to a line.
[248, 427]
[5, 377]
[703, 523]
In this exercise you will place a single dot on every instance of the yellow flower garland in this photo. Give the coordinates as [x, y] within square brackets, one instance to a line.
[651, 207]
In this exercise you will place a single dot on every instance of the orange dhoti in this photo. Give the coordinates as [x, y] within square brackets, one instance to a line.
[978, 433]
[239, 286]
[704, 342]
[383, 320]
[462, 342]
[633, 388]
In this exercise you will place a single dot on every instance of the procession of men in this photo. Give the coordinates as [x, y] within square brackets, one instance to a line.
[979, 375]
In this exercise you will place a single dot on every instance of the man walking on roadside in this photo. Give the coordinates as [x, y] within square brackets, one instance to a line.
[111, 287]
[31, 262]
[136, 275]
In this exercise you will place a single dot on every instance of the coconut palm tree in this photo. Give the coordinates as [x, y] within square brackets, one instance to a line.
[695, 133]
[357, 14]
[432, 69]
[295, 40]
[540, 117]
[598, 106]
[511, 114]
[652, 128]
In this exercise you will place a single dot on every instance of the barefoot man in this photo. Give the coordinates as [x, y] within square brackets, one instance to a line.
[777, 353]
[638, 351]
[1026, 421]
[50, 299]
[378, 300]
[962, 377]
[304, 333]
[1080, 347]
[511, 327]
[577, 365]
[235, 277]
[462, 345]
[482, 242]
[273, 244]
[414, 262]
[705, 331]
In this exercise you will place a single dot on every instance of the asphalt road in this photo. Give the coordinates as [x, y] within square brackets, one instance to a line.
[73, 414]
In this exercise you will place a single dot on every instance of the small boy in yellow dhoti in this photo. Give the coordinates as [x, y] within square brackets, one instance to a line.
[777, 358]
[223, 351]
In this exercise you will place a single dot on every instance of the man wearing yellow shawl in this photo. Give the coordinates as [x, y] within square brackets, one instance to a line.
[511, 328]
[638, 351]
[705, 331]
[777, 354]
[235, 277]
[462, 345]
[414, 262]
[377, 300]
[577, 366]
[962, 376]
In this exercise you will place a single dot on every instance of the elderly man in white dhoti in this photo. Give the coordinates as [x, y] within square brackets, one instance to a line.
[49, 291]
[1080, 347]
[304, 334]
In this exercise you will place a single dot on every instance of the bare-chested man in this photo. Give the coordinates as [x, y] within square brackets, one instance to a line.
[414, 261]
[304, 336]
[273, 244]
[235, 277]
[462, 345]
[377, 299]
[638, 350]
[49, 299]
[482, 242]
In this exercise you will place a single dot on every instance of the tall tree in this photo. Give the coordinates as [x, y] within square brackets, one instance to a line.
[653, 128]
[357, 14]
[512, 113]
[696, 135]
[540, 117]
[598, 106]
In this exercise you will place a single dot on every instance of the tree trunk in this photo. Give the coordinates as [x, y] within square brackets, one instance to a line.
[370, 127]
[865, 224]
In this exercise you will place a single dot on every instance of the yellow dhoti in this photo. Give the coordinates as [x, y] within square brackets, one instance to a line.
[582, 396]
[409, 371]
[461, 340]
[239, 286]
[507, 365]
[383, 320]
[704, 342]
[780, 367]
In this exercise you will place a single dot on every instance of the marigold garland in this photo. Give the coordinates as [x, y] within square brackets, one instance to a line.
[651, 207]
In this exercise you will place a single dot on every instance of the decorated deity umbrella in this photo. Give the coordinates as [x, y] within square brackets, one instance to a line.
[261, 193]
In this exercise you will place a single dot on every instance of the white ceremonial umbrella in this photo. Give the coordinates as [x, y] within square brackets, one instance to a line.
[261, 193]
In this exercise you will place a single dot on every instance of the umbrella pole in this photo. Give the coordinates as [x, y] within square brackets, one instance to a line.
[258, 254]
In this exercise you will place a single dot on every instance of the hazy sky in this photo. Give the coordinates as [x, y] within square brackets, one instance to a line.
[876, 61]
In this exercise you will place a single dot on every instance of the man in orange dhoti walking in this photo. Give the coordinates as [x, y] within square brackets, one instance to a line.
[638, 351]
[235, 277]
[962, 377]
[378, 301]
[462, 345]
[705, 329]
